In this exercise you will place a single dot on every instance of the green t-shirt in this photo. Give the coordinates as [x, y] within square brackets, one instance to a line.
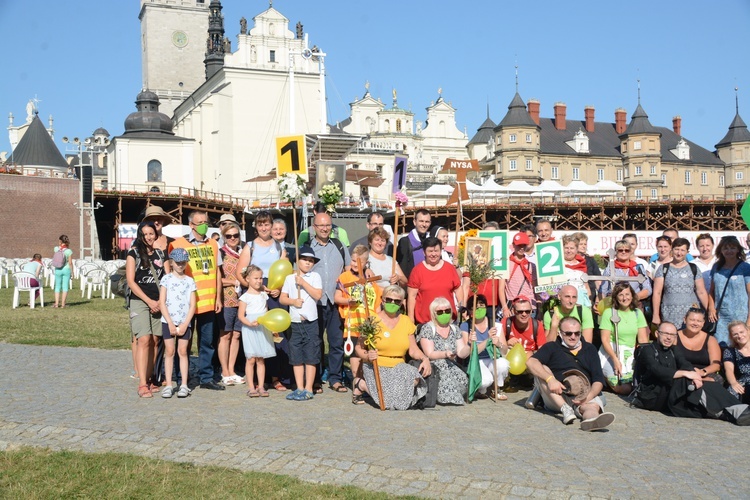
[627, 329]
[586, 322]
[337, 232]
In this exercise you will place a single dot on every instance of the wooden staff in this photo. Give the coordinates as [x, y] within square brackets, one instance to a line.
[458, 223]
[494, 348]
[395, 241]
[296, 240]
[363, 280]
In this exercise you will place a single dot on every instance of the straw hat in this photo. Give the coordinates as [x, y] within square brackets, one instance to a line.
[156, 212]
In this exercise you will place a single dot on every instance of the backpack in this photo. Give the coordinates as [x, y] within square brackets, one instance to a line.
[120, 281]
[58, 260]
[693, 268]
[534, 326]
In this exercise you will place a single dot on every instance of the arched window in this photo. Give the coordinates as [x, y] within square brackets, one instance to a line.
[398, 125]
[154, 171]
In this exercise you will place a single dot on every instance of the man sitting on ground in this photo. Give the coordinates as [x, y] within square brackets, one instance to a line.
[668, 383]
[569, 377]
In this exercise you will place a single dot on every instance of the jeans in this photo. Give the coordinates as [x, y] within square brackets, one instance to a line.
[330, 322]
[206, 346]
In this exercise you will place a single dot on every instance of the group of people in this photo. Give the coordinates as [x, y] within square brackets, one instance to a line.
[428, 315]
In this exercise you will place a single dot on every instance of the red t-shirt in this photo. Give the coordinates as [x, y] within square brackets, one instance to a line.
[430, 285]
[527, 337]
[490, 289]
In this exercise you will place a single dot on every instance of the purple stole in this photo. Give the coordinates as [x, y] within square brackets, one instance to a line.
[416, 247]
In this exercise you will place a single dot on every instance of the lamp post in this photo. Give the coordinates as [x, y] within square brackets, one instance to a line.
[92, 146]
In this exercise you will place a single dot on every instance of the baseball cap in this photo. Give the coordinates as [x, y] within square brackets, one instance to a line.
[521, 239]
[306, 251]
[179, 255]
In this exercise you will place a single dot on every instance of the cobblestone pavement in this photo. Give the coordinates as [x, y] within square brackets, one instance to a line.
[83, 399]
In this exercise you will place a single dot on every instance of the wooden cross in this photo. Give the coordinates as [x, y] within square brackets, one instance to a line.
[461, 167]
[363, 281]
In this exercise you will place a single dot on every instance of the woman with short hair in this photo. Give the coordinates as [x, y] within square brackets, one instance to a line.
[737, 361]
[443, 343]
[430, 279]
[380, 263]
[677, 285]
[229, 336]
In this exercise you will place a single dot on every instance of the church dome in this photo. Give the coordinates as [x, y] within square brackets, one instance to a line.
[101, 131]
[148, 118]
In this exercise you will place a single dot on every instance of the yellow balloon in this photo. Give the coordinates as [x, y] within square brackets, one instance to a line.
[278, 272]
[517, 359]
[604, 304]
[276, 320]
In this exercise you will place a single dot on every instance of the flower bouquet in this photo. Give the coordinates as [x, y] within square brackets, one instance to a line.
[291, 187]
[369, 331]
[330, 195]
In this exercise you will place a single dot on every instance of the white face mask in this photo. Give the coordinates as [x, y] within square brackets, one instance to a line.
[565, 345]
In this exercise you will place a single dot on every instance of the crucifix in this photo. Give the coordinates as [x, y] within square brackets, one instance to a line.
[612, 279]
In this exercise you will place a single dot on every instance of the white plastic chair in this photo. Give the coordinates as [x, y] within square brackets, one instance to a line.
[4, 272]
[83, 271]
[97, 279]
[22, 283]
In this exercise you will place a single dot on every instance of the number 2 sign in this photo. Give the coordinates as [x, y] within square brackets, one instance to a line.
[549, 260]
[291, 155]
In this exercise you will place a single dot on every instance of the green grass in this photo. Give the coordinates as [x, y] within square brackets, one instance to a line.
[32, 473]
[95, 323]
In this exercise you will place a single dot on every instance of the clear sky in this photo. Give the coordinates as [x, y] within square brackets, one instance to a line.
[82, 60]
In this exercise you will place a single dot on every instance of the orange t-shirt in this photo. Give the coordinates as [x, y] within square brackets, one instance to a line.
[353, 315]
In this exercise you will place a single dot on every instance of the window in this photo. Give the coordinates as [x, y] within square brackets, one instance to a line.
[576, 174]
[688, 179]
[638, 170]
[529, 165]
[739, 175]
[721, 181]
[528, 138]
[512, 137]
[513, 165]
[398, 125]
[600, 174]
[636, 145]
[638, 194]
[664, 179]
[619, 175]
[653, 169]
[272, 56]
[555, 173]
[654, 194]
[154, 171]
[704, 178]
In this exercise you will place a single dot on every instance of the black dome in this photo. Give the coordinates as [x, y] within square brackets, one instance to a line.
[148, 118]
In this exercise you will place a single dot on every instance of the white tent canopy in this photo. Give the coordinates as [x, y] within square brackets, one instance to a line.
[580, 187]
[609, 186]
[520, 187]
[551, 186]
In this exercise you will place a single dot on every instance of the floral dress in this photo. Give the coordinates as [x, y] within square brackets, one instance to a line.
[454, 384]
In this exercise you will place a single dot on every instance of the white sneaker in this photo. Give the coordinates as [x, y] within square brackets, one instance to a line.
[183, 392]
[167, 392]
[228, 380]
[568, 414]
[237, 379]
[598, 422]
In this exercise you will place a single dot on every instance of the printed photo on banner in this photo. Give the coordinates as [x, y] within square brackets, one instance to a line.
[330, 173]
[477, 252]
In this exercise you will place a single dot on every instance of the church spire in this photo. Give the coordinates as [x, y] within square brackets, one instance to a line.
[216, 44]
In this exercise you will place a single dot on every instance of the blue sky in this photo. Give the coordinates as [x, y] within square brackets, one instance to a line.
[82, 58]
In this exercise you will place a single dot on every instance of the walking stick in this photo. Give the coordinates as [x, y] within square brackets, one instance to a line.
[296, 239]
[615, 319]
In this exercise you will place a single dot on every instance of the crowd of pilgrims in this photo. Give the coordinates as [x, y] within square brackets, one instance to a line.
[590, 336]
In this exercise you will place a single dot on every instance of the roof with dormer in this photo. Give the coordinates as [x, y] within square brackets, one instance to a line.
[517, 115]
[737, 132]
[485, 132]
[36, 148]
[639, 123]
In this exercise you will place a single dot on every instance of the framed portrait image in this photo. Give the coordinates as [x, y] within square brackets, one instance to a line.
[329, 173]
[477, 251]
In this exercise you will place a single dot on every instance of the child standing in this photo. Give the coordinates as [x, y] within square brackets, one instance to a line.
[301, 292]
[256, 339]
[177, 303]
[356, 302]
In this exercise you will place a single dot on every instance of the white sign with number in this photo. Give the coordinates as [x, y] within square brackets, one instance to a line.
[550, 265]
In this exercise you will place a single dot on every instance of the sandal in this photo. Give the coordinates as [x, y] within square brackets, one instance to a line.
[252, 393]
[317, 389]
[144, 392]
[279, 386]
[502, 397]
[154, 388]
[263, 392]
[338, 387]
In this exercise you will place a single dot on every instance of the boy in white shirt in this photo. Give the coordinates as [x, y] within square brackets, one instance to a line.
[300, 292]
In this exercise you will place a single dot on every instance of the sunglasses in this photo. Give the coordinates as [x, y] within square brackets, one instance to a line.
[444, 311]
[524, 311]
[231, 236]
[571, 334]
[623, 250]
[391, 300]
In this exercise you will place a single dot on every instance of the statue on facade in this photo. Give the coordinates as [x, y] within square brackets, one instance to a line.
[300, 30]
[30, 110]
[227, 46]
[243, 26]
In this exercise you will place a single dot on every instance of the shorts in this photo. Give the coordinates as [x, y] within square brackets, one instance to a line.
[304, 345]
[142, 321]
[231, 320]
[168, 336]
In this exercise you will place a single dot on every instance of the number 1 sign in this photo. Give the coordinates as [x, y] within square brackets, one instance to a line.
[498, 250]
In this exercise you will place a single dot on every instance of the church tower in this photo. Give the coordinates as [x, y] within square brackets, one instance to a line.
[173, 48]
